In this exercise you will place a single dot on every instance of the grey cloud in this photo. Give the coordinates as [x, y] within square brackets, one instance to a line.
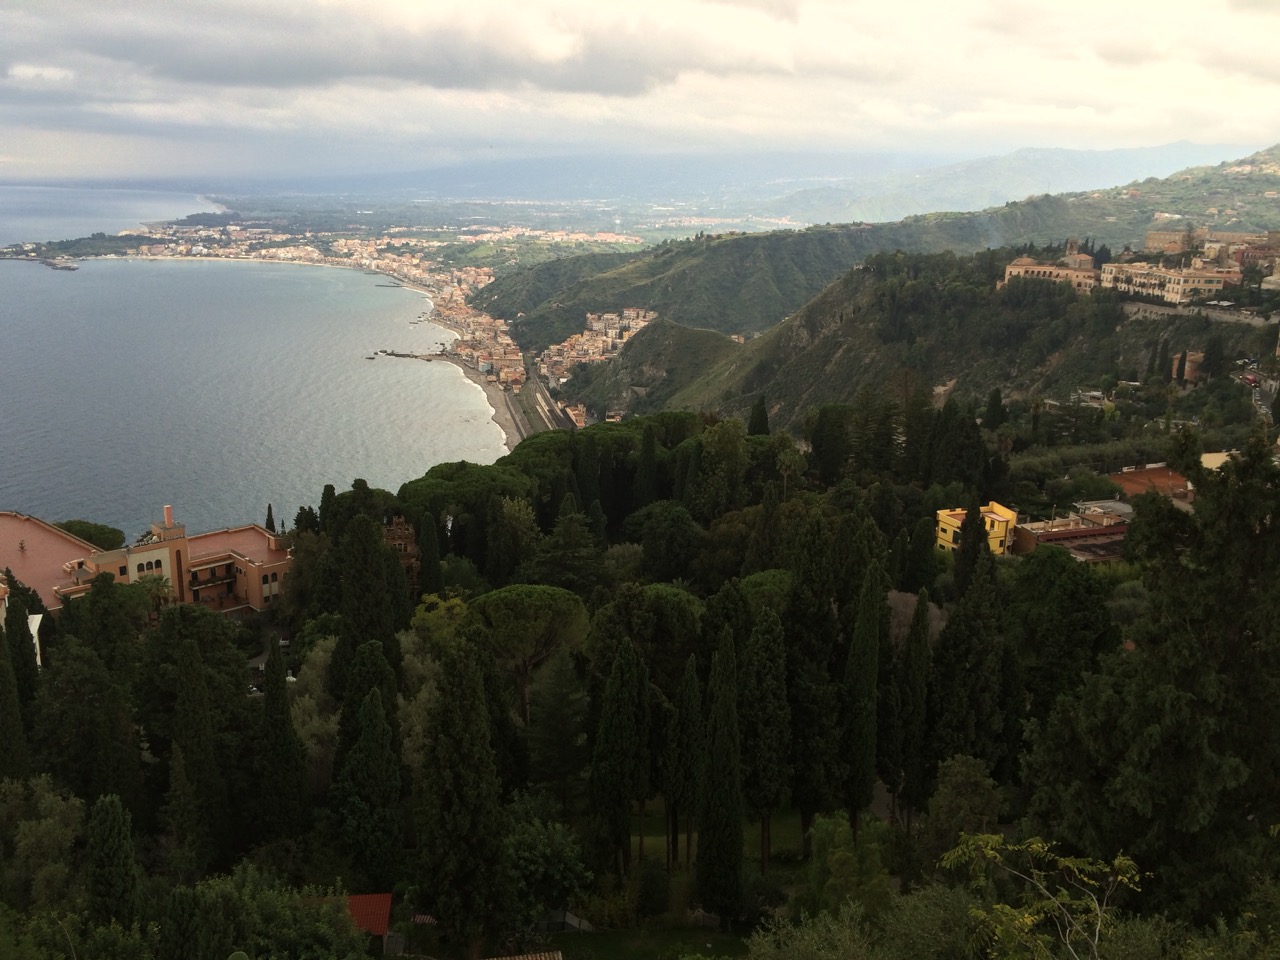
[291, 44]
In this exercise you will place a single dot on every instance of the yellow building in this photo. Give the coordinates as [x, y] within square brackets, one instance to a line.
[998, 519]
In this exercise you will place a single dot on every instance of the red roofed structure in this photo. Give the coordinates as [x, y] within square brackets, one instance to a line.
[371, 912]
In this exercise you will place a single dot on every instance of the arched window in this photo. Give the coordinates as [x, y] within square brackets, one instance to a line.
[141, 569]
[150, 565]
[158, 567]
[275, 577]
[265, 579]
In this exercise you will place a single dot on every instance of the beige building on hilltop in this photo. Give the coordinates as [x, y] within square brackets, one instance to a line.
[1173, 285]
[1074, 268]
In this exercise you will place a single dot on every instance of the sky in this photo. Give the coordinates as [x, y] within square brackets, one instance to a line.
[137, 88]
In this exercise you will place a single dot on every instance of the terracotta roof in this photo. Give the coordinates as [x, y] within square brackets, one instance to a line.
[38, 554]
[371, 912]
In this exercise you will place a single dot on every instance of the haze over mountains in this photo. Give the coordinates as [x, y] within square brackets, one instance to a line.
[802, 187]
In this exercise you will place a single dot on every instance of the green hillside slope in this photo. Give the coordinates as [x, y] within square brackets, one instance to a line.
[746, 283]
[937, 320]
[658, 363]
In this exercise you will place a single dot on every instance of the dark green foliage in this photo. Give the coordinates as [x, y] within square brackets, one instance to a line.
[99, 534]
[669, 536]
[995, 413]
[858, 737]
[85, 732]
[367, 796]
[913, 691]
[1214, 363]
[973, 543]
[922, 557]
[831, 443]
[111, 877]
[764, 549]
[645, 487]
[15, 758]
[429, 544]
[569, 558]
[270, 523]
[1163, 748]
[557, 740]
[543, 863]
[186, 842]
[375, 598]
[685, 760]
[369, 671]
[193, 731]
[306, 520]
[461, 822]
[758, 423]
[765, 720]
[719, 868]
[282, 759]
[620, 761]
[965, 685]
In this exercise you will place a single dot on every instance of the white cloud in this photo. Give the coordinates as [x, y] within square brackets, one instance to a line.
[550, 75]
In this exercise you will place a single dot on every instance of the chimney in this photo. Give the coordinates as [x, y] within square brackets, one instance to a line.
[168, 515]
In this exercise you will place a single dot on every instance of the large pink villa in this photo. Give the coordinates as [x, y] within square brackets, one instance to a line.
[232, 571]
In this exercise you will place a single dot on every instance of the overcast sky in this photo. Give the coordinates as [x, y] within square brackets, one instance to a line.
[143, 87]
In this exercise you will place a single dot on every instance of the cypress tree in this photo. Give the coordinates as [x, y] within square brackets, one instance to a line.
[922, 557]
[685, 758]
[15, 757]
[858, 698]
[766, 726]
[111, 876]
[369, 671]
[758, 423]
[898, 557]
[374, 595]
[913, 691]
[719, 870]
[21, 652]
[764, 548]
[1181, 373]
[367, 792]
[619, 761]
[282, 771]
[193, 732]
[271, 520]
[973, 542]
[429, 579]
[186, 839]
[327, 500]
[462, 826]
[587, 468]
[645, 489]
[1164, 366]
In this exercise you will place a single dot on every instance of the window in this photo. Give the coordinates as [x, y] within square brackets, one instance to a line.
[124, 571]
[141, 569]
[150, 565]
[158, 567]
[265, 580]
[275, 577]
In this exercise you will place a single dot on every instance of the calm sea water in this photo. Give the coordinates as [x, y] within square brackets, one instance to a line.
[41, 214]
[218, 387]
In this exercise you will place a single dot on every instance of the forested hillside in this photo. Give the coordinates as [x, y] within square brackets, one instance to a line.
[747, 283]
[627, 646]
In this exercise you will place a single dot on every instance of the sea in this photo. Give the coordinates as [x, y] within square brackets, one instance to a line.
[218, 387]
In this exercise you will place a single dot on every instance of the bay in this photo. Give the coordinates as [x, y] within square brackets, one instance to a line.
[218, 387]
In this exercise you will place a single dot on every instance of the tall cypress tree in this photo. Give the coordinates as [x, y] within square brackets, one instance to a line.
[282, 768]
[15, 758]
[766, 726]
[271, 520]
[462, 826]
[922, 557]
[858, 698]
[913, 692]
[973, 541]
[193, 732]
[764, 547]
[758, 423]
[645, 488]
[21, 653]
[685, 758]
[429, 579]
[619, 761]
[719, 870]
[369, 671]
[111, 878]
[186, 841]
[367, 794]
